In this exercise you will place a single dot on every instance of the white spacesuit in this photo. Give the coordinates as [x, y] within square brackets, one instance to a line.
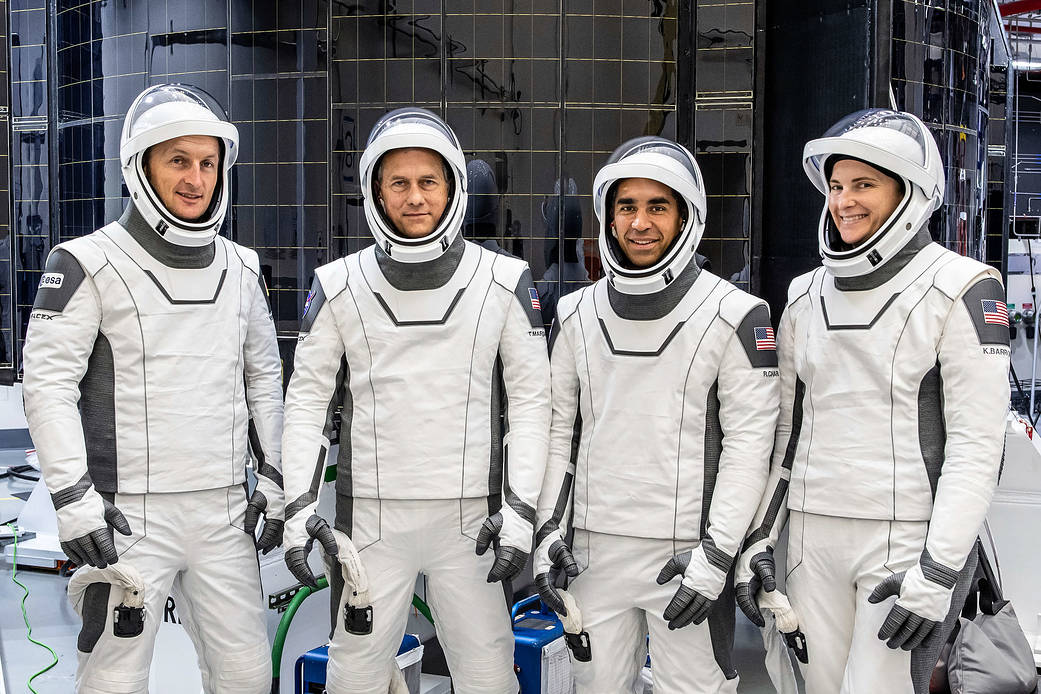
[894, 388]
[667, 377]
[414, 337]
[149, 347]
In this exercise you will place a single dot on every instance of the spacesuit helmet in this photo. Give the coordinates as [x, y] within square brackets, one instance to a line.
[898, 144]
[408, 128]
[671, 164]
[164, 112]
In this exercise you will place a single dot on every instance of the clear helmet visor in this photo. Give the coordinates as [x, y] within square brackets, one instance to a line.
[894, 140]
[656, 145]
[167, 111]
[411, 118]
[167, 96]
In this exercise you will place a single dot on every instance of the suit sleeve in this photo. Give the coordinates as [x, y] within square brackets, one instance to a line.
[773, 507]
[748, 393]
[973, 354]
[554, 499]
[263, 373]
[311, 401]
[63, 326]
[522, 348]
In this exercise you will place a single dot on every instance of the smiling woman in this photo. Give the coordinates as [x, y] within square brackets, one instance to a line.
[183, 173]
[861, 198]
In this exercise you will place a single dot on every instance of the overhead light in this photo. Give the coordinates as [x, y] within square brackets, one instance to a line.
[1026, 64]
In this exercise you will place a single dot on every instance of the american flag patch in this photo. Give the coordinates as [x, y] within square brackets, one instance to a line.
[534, 295]
[995, 312]
[307, 304]
[764, 338]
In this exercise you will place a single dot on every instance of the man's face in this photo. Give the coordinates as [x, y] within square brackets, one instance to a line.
[183, 173]
[646, 220]
[412, 190]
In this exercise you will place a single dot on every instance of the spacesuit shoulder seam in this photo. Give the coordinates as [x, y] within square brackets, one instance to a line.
[800, 286]
[87, 252]
[334, 277]
[960, 273]
[247, 256]
[568, 305]
[736, 304]
[506, 271]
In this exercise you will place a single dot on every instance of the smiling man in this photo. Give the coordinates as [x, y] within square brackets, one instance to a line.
[668, 374]
[151, 374]
[416, 337]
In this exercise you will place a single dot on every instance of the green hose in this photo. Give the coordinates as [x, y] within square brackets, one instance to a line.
[290, 613]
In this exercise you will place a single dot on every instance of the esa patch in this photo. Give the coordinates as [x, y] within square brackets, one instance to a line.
[52, 280]
[61, 278]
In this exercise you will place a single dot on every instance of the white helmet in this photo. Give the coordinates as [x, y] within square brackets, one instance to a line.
[406, 128]
[161, 113]
[668, 163]
[899, 144]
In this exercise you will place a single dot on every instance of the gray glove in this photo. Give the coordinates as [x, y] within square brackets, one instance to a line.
[98, 548]
[551, 556]
[271, 535]
[296, 557]
[509, 560]
[760, 571]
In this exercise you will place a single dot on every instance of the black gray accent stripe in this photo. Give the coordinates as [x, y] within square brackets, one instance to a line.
[497, 415]
[429, 274]
[629, 353]
[411, 323]
[657, 305]
[98, 415]
[758, 317]
[781, 491]
[343, 399]
[70, 495]
[932, 430]
[51, 297]
[713, 451]
[311, 495]
[879, 276]
[988, 289]
[336, 586]
[554, 330]
[558, 509]
[937, 572]
[793, 438]
[315, 301]
[776, 502]
[189, 302]
[868, 326]
[167, 253]
[721, 624]
[263, 468]
[95, 616]
[344, 518]
[716, 557]
[523, 293]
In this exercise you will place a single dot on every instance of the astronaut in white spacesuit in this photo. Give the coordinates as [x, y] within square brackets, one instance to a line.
[414, 337]
[150, 346]
[894, 388]
[667, 377]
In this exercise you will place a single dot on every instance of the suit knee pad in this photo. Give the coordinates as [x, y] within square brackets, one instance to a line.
[243, 673]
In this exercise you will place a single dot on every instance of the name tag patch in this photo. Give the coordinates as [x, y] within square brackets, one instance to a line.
[52, 280]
